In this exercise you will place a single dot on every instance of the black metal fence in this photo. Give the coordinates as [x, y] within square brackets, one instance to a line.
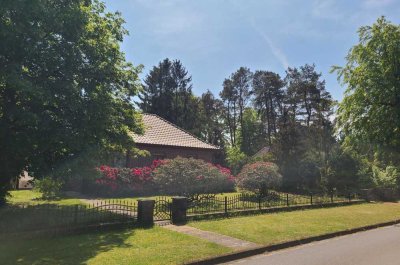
[21, 218]
[244, 202]
[162, 209]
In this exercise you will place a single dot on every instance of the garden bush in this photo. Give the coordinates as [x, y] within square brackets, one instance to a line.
[49, 187]
[121, 181]
[259, 177]
[179, 176]
[191, 177]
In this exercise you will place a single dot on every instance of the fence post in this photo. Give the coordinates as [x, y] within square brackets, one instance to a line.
[76, 214]
[179, 210]
[146, 212]
[287, 199]
[349, 197]
[311, 198]
[226, 205]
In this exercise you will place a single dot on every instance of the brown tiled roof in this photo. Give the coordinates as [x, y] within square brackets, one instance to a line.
[263, 151]
[158, 131]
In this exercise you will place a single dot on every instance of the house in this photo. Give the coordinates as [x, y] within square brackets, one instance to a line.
[263, 151]
[24, 181]
[164, 140]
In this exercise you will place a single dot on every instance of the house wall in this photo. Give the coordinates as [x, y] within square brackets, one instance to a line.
[168, 152]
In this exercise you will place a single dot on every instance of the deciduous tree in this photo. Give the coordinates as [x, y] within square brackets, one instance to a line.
[65, 86]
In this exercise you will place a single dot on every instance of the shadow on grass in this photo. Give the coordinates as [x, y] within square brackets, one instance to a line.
[31, 218]
[74, 249]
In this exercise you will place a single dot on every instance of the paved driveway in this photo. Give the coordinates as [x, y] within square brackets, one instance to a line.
[375, 247]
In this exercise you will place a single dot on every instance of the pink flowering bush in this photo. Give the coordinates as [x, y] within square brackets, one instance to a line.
[190, 177]
[179, 176]
[139, 180]
[259, 177]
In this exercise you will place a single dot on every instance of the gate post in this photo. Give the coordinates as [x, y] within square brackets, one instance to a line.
[146, 212]
[178, 209]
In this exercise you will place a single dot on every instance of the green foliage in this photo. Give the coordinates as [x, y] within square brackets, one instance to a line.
[190, 177]
[49, 187]
[167, 92]
[235, 95]
[211, 116]
[387, 178]
[252, 128]
[65, 86]
[259, 177]
[235, 159]
[268, 98]
[342, 171]
[369, 115]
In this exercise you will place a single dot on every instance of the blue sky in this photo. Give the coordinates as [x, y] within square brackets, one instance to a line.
[213, 38]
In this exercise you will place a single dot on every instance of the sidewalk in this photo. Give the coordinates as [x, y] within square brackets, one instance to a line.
[226, 241]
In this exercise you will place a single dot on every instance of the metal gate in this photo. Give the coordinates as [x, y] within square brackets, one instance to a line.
[162, 209]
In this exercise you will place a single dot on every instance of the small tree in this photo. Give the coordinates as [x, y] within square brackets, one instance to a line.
[191, 177]
[259, 177]
[49, 187]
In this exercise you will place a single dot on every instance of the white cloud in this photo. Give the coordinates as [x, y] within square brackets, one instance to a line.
[275, 50]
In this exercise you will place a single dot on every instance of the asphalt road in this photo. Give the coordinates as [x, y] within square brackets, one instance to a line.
[375, 247]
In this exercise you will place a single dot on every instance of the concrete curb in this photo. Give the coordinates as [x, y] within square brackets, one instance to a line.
[260, 250]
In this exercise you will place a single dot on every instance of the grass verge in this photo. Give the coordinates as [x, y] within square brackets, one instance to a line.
[281, 227]
[138, 246]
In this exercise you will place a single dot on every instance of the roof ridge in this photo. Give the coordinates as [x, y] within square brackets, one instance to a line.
[179, 128]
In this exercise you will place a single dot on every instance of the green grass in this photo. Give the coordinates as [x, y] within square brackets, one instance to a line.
[281, 227]
[34, 197]
[136, 246]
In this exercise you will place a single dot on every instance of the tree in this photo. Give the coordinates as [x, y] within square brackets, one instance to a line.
[252, 127]
[167, 92]
[268, 96]
[368, 118]
[304, 135]
[212, 119]
[229, 99]
[307, 95]
[65, 86]
[341, 172]
[235, 95]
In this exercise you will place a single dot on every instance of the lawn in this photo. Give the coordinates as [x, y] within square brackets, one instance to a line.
[136, 246]
[281, 227]
[34, 197]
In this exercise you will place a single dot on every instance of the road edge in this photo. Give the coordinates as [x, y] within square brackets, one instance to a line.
[267, 248]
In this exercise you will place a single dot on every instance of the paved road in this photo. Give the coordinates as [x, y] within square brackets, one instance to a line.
[375, 247]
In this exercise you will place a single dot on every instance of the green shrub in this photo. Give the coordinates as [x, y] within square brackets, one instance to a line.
[190, 177]
[259, 177]
[386, 178]
[49, 187]
[235, 158]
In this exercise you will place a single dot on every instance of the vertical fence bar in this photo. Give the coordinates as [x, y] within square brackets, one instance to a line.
[226, 205]
[311, 199]
[76, 214]
[287, 199]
